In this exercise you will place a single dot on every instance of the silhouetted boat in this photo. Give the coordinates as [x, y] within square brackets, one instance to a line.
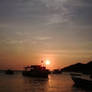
[36, 71]
[75, 74]
[56, 71]
[82, 83]
[10, 72]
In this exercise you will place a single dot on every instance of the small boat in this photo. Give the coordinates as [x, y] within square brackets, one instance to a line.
[56, 71]
[36, 71]
[75, 74]
[9, 72]
[82, 83]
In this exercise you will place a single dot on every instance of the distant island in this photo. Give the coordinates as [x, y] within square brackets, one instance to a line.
[79, 67]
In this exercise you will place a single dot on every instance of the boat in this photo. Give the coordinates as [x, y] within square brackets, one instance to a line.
[36, 71]
[75, 74]
[82, 83]
[56, 71]
[9, 72]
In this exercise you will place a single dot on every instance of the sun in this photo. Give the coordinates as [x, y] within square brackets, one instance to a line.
[47, 62]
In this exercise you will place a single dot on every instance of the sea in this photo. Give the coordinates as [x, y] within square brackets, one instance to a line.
[54, 83]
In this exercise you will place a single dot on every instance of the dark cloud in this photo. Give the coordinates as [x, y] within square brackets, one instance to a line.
[47, 11]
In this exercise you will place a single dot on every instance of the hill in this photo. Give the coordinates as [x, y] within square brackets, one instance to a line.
[79, 67]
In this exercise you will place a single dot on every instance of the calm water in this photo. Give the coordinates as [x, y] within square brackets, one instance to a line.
[55, 83]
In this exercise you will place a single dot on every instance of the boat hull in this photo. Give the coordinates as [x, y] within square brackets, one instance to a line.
[35, 74]
[83, 83]
[9, 72]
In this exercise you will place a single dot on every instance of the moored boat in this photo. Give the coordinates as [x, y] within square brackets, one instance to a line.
[56, 71]
[36, 71]
[83, 83]
[75, 74]
[9, 72]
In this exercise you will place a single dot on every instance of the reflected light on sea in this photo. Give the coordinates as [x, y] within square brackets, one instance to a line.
[55, 83]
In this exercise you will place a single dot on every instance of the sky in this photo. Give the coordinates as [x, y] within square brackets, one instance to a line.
[35, 30]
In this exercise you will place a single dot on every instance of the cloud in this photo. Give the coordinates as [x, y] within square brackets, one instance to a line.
[41, 20]
[47, 12]
[43, 38]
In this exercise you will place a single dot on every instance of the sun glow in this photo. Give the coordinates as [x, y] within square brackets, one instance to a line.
[47, 62]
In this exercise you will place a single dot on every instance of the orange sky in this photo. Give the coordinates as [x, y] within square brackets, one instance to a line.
[35, 30]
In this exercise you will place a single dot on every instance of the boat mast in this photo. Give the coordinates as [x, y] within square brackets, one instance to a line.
[42, 63]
